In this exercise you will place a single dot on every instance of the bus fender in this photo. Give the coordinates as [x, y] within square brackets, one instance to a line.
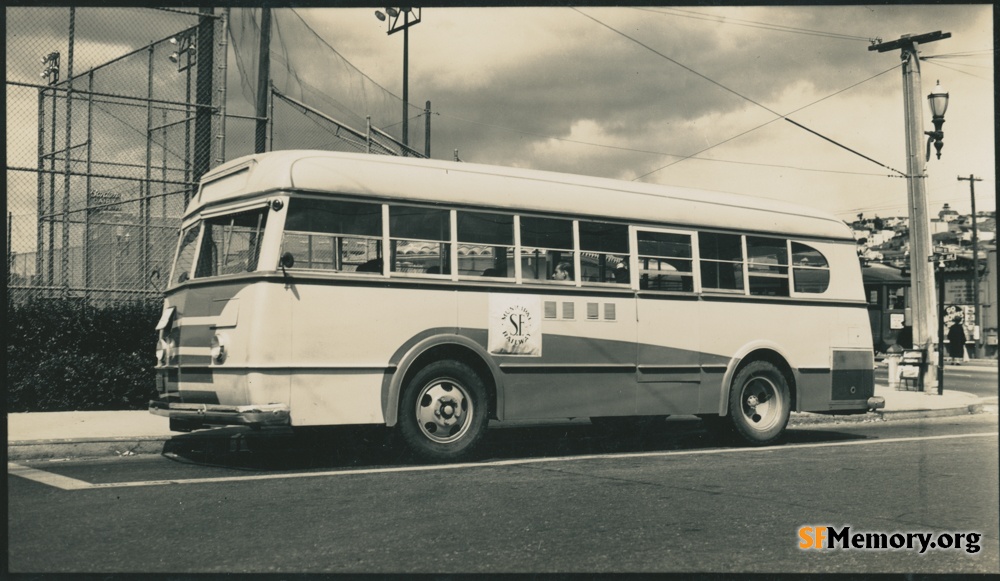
[734, 363]
[412, 350]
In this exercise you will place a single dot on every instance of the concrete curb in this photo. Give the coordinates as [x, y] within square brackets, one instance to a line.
[80, 448]
[120, 447]
[803, 418]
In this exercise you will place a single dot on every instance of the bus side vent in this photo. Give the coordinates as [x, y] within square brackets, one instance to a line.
[569, 311]
[592, 311]
[550, 309]
[609, 311]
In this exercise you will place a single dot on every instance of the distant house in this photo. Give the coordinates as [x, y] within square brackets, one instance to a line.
[947, 214]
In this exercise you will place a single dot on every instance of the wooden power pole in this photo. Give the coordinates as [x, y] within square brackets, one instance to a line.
[925, 309]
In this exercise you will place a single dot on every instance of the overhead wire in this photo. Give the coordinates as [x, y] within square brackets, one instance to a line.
[951, 67]
[727, 89]
[648, 151]
[673, 11]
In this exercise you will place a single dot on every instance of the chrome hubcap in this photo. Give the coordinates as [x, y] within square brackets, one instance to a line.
[761, 403]
[444, 411]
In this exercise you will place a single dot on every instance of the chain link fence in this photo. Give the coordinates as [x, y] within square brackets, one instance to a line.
[113, 114]
[106, 137]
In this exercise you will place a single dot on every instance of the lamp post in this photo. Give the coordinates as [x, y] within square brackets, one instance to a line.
[938, 100]
[922, 279]
[391, 18]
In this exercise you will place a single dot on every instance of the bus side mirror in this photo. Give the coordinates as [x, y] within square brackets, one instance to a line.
[287, 260]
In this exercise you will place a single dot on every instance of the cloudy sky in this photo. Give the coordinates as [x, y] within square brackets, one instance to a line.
[687, 96]
[631, 93]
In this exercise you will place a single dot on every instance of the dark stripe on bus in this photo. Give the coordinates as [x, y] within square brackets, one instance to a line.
[401, 282]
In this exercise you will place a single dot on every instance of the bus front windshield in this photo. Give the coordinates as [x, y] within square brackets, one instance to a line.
[229, 244]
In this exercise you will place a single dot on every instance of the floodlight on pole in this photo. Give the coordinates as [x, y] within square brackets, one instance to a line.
[187, 47]
[410, 16]
[51, 68]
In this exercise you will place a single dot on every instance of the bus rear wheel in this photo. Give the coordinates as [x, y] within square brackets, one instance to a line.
[759, 403]
[443, 413]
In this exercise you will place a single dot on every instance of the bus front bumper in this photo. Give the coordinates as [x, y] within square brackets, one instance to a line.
[274, 414]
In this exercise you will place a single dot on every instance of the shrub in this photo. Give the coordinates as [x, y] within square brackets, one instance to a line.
[64, 355]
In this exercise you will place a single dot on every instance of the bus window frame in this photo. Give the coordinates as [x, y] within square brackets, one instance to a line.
[751, 274]
[580, 250]
[828, 268]
[575, 250]
[511, 275]
[389, 251]
[634, 256]
[225, 209]
[287, 201]
[230, 211]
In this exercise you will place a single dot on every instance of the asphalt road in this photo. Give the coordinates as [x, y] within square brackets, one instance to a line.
[548, 499]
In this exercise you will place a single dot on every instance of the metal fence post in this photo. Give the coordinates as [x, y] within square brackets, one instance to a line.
[40, 196]
[87, 276]
[146, 190]
[68, 153]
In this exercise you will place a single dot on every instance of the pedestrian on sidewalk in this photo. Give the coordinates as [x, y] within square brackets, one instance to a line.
[956, 341]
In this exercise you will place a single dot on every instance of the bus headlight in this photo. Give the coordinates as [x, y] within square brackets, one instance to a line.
[219, 343]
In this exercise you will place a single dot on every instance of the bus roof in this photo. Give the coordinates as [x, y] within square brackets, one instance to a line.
[504, 188]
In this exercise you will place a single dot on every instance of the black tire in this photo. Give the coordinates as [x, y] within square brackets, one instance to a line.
[759, 403]
[443, 411]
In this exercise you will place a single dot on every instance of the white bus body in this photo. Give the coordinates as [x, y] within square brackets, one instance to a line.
[315, 288]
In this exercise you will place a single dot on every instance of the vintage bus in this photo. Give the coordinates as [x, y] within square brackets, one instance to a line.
[315, 288]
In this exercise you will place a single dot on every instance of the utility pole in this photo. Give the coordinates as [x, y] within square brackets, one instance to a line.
[263, 79]
[406, 84]
[977, 341]
[925, 310]
[427, 131]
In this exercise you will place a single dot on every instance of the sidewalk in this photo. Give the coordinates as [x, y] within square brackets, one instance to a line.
[59, 435]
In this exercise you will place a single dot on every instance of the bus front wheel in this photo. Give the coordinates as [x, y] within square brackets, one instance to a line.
[759, 403]
[443, 411]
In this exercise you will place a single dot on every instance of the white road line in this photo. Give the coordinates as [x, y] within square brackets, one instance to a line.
[66, 483]
[50, 478]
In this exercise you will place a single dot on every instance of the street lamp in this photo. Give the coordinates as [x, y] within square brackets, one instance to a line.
[391, 18]
[938, 100]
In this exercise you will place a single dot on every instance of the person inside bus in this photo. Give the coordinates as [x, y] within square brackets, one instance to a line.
[621, 273]
[373, 265]
[563, 271]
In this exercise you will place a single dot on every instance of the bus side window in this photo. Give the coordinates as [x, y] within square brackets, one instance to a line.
[485, 244]
[809, 269]
[332, 234]
[665, 261]
[604, 253]
[546, 243]
[721, 261]
[767, 262]
[419, 240]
